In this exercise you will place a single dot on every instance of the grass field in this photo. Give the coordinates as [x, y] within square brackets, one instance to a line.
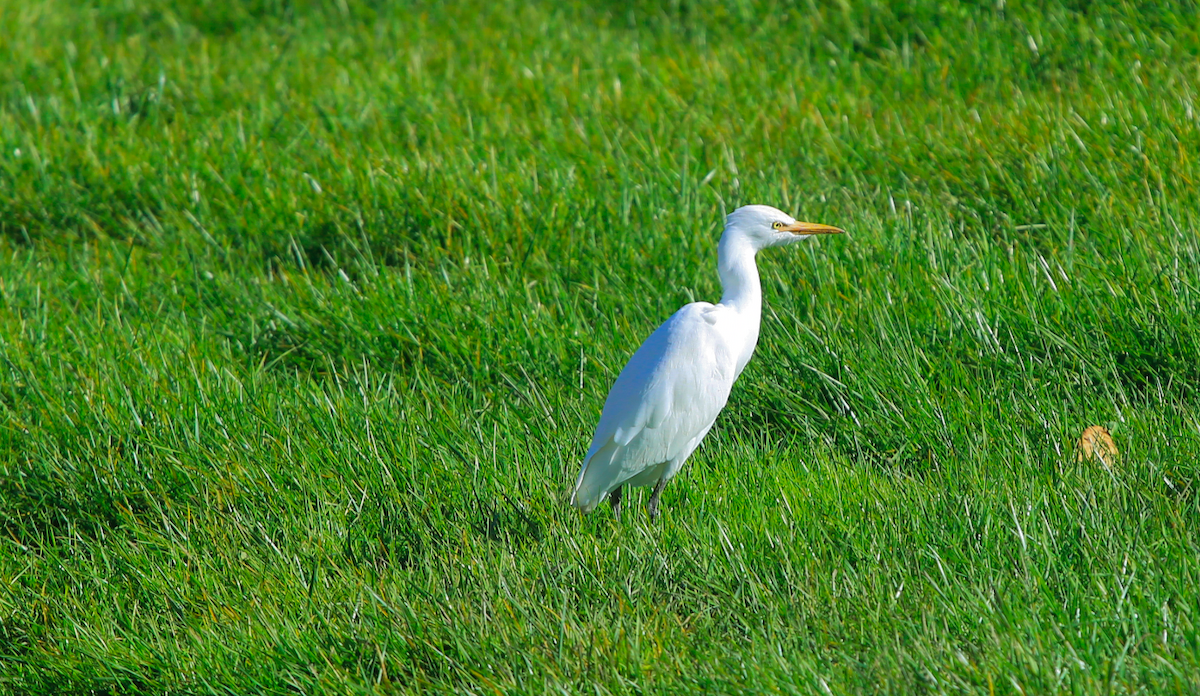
[307, 311]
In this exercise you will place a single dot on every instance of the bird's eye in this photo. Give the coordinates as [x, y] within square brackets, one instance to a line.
[777, 225]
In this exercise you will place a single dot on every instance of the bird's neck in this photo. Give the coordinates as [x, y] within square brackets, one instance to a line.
[739, 276]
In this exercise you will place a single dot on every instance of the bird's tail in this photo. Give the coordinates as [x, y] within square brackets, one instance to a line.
[592, 485]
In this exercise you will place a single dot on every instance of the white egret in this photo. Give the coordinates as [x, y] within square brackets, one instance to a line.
[666, 399]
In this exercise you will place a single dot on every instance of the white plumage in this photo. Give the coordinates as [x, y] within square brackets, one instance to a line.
[666, 399]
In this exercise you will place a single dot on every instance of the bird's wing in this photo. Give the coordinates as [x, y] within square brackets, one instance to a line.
[669, 393]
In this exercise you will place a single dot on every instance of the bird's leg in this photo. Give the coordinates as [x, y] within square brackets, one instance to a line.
[614, 499]
[658, 489]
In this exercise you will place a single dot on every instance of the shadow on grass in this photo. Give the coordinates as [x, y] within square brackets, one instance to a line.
[404, 533]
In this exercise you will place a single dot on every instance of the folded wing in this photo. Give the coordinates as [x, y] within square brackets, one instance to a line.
[667, 396]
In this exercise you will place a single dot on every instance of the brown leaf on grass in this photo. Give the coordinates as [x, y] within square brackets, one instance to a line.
[1096, 443]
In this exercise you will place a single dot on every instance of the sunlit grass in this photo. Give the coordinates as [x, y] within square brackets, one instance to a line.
[307, 311]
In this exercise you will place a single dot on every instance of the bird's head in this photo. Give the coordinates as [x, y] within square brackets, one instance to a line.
[764, 226]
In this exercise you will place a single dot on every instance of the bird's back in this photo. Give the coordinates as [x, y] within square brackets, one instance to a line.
[665, 398]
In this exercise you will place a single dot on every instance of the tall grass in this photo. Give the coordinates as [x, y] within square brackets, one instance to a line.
[308, 310]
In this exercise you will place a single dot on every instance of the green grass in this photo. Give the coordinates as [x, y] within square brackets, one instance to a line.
[307, 311]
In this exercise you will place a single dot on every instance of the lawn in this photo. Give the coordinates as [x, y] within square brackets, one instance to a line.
[308, 309]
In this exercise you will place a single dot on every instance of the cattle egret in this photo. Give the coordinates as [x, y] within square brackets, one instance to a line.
[666, 399]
